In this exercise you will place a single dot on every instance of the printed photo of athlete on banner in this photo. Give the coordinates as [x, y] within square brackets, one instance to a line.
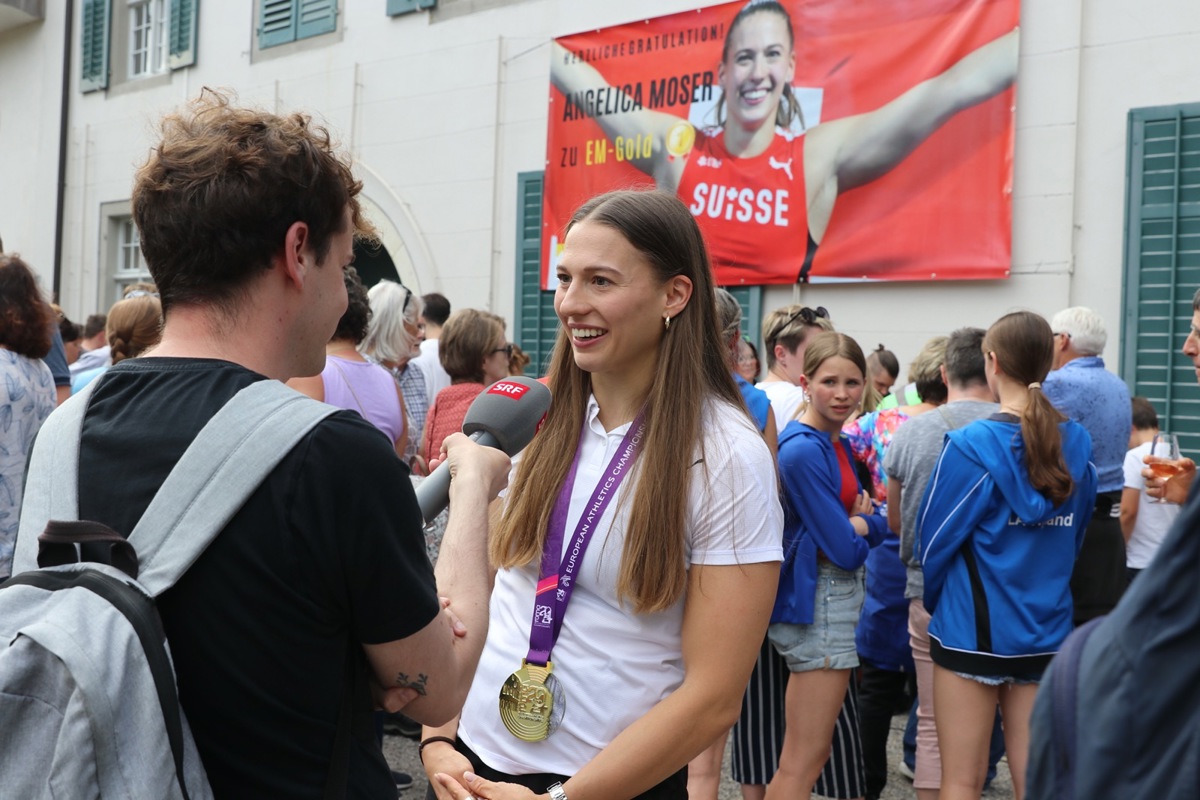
[814, 140]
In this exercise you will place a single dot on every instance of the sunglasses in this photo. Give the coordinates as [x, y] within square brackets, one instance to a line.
[507, 350]
[806, 315]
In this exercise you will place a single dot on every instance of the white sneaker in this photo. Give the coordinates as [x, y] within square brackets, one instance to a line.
[904, 769]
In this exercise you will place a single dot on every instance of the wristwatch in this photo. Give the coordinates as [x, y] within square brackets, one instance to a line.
[557, 792]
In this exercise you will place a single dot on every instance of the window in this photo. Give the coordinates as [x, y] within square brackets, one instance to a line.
[130, 267]
[151, 37]
[535, 324]
[147, 37]
[750, 299]
[1162, 263]
[398, 7]
[283, 21]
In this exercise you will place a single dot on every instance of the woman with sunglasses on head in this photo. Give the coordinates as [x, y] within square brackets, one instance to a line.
[475, 354]
[786, 332]
[639, 549]
[831, 524]
[755, 114]
[999, 529]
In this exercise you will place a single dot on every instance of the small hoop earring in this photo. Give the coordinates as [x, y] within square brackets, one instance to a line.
[666, 323]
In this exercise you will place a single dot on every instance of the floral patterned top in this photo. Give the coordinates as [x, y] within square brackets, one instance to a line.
[870, 436]
[26, 399]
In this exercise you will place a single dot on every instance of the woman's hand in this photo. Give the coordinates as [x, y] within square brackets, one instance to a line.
[862, 505]
[1174, 489]
[442, 761]
[480, 788]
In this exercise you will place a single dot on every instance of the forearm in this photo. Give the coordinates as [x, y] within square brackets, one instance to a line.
[658, 745]
[873, 143]
[463, 574]
[465, 579]
[725, 619]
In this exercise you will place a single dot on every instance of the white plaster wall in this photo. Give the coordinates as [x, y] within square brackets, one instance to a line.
[30, 100]
[442, 110]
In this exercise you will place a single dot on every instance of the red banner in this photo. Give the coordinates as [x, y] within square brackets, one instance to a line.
[814, 140]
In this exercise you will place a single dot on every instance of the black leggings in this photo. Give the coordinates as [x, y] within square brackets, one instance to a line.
[673, 788]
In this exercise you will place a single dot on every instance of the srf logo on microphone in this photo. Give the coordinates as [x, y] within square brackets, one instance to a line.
[508, 389]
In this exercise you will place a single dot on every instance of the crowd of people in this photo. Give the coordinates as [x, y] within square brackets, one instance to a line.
[795, 548]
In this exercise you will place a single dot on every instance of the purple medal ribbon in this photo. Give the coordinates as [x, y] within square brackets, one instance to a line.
[557, 577]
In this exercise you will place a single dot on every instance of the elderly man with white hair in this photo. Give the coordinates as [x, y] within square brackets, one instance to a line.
[1081, 388]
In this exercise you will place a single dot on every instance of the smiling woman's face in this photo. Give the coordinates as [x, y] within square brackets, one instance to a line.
[760, 62]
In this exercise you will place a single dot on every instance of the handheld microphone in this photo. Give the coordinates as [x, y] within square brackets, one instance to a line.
[505, 415]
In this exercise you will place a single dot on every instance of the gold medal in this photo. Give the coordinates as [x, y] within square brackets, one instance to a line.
[680, 139]
[527, 703]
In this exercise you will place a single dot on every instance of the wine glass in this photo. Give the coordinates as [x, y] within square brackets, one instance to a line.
[1165, 445]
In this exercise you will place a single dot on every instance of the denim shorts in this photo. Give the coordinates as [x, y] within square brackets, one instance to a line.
[828, 643]
[998, 680]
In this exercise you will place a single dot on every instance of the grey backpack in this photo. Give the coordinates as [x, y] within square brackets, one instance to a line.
[88, 703]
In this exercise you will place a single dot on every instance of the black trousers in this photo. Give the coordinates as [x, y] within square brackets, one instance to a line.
[1099, 578]
[673, 788]
[882, 694]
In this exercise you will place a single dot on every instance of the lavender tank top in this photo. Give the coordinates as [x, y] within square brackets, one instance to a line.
[366, 388]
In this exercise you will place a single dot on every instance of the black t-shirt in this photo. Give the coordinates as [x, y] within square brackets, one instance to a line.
[327, 551]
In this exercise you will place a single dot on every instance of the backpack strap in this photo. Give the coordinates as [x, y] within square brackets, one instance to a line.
[228, 460]
[223, 466]
[50, 490]
[1064, 708]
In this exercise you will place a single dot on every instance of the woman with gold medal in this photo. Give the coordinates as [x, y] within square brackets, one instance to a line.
[639, 550]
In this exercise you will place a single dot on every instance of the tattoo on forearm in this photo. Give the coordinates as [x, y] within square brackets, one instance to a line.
[418, 683]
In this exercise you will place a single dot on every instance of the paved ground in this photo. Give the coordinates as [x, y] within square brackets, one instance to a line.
[402, 754]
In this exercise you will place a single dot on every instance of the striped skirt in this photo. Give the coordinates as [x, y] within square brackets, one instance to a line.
[758, 733]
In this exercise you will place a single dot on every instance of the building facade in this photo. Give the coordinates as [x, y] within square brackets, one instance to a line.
[443, 104]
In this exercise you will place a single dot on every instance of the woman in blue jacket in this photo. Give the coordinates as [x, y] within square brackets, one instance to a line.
[999, 528]
[830, 526]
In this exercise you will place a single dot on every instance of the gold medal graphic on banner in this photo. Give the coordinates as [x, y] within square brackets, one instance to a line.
[531, 702]
[680, 139]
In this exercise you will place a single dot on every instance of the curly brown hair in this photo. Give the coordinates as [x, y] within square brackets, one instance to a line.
[353, 324]
[215, 199]
[25, 316]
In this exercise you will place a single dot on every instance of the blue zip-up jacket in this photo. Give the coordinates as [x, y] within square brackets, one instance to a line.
[882, 633]
[815, 519]
[997, 555]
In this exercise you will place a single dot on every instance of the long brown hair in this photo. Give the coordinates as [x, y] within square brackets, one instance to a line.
[134, 324]
[1024, 345]
[691, 369]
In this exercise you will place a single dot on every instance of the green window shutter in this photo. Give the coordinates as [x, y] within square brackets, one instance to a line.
[397, 7]
[182, 33]
[536, 324]
[277, 22]
[1162, 264]
[316, 17]
[750, 299]
[94, 36]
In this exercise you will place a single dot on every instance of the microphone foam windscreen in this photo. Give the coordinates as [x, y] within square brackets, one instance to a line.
[511, 410]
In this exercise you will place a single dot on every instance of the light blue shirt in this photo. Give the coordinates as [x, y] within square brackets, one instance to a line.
[1099, 401]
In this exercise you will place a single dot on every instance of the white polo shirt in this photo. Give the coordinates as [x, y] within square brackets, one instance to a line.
[615, 665]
